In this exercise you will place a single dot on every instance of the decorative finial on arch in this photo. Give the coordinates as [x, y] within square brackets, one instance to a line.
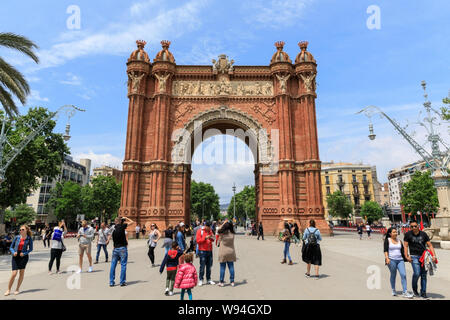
[303, 45]
[141, 44]
[165, 44]
[279, 45]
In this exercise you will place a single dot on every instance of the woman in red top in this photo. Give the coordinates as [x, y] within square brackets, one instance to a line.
[21, 246]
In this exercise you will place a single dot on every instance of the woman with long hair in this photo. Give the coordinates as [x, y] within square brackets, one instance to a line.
[394, 255]
[21, 246]
[227, 254]
[286, 238]
[153, 238]
[311, 253]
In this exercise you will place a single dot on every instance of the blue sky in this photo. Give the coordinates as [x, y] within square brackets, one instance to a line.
[356, 66]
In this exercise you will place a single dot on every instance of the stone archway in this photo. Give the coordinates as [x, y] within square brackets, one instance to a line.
[274, 104]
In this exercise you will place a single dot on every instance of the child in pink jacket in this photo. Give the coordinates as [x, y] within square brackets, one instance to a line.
[186, 278]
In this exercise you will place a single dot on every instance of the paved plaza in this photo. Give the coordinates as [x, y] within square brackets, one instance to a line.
[259, 274]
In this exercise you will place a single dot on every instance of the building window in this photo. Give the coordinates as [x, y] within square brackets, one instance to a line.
[364, 177]
[339, 170]
[341, 189]
[366, 189]
[354, 177]
[355, 190]
[340, 178]
[327, 179]
[328, 190]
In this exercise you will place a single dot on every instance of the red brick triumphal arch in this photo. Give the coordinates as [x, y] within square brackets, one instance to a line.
[170, 108]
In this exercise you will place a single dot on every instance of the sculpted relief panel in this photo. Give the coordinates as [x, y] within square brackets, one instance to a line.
[215, 88]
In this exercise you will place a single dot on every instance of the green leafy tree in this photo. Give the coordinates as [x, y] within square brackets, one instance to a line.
[371, 211]
[12, 82]
[66, 201]
[419, 194]
[103, 198]
[446, 109]
[204, 200]
[41, 157]
[245, 204]
[339, 205]
[22, 214]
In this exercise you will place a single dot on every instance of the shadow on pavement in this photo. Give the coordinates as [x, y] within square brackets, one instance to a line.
[135, 282]
[435, 296]
[239, 283]
[32, 290]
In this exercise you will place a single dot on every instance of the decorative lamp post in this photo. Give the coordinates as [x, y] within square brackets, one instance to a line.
[437, 161]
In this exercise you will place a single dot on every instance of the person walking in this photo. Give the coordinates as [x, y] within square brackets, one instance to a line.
[194, 236]
[260, 230]
[205, 240]
[286, 238]
[186, 278]
[120, 251]
[138, 231]
[85, 236]
[153, 238]
[48, 236]
[359, 228]
[143, 231]
[296, 234]
[417, 241]
[57, 246]
[102, 241]
[168, 238]
[171, 260]
[227, 254]
[311, 253]
[368, 230]
[180, 237]
[43, 234]
[394, 255]
[20, 249]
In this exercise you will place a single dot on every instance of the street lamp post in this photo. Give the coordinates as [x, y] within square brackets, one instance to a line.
[234, 198]
[437, 161]
[6, 158]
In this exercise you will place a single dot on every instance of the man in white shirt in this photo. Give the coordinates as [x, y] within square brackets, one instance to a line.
[102, 241]
[138, 230]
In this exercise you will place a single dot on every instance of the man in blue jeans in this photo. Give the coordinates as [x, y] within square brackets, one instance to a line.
[205, 239]
[120, 252]
[416, 240]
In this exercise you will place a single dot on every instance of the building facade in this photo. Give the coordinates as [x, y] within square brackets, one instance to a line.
[356, 181]
[70, 171]
[398, 177]
[108, 171]
[274, 103]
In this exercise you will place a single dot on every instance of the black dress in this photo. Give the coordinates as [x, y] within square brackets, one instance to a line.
[311, 254]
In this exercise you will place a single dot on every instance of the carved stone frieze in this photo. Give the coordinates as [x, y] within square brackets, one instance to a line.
[217, 88]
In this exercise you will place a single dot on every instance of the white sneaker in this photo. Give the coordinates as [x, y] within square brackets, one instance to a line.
[79, 271]
[394, 293]
[200, 283]
[170, 293]
[407, 295]
[211, 282]
[90, 269]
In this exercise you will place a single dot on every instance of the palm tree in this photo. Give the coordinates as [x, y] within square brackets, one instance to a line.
[12, 82]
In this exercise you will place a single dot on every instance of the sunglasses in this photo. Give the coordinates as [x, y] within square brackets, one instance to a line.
[22, 229]
[414, 226]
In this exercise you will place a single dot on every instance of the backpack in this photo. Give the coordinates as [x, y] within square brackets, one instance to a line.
[57, 234]
[312, 239]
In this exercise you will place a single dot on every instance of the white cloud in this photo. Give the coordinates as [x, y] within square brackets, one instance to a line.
[36, 97]
[100, 159]
[72, 80]
[275, 13]
[119, 38]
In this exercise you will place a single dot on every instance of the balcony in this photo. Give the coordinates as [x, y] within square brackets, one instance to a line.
[340, 183]
[355, 182]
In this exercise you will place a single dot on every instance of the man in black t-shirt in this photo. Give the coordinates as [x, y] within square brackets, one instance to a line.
[417, 242]
[120, 251]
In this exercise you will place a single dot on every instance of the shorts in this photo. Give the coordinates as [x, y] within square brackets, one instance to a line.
[18, 262]
[84, 247]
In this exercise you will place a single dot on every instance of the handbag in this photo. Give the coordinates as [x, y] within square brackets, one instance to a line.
[63, 247]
